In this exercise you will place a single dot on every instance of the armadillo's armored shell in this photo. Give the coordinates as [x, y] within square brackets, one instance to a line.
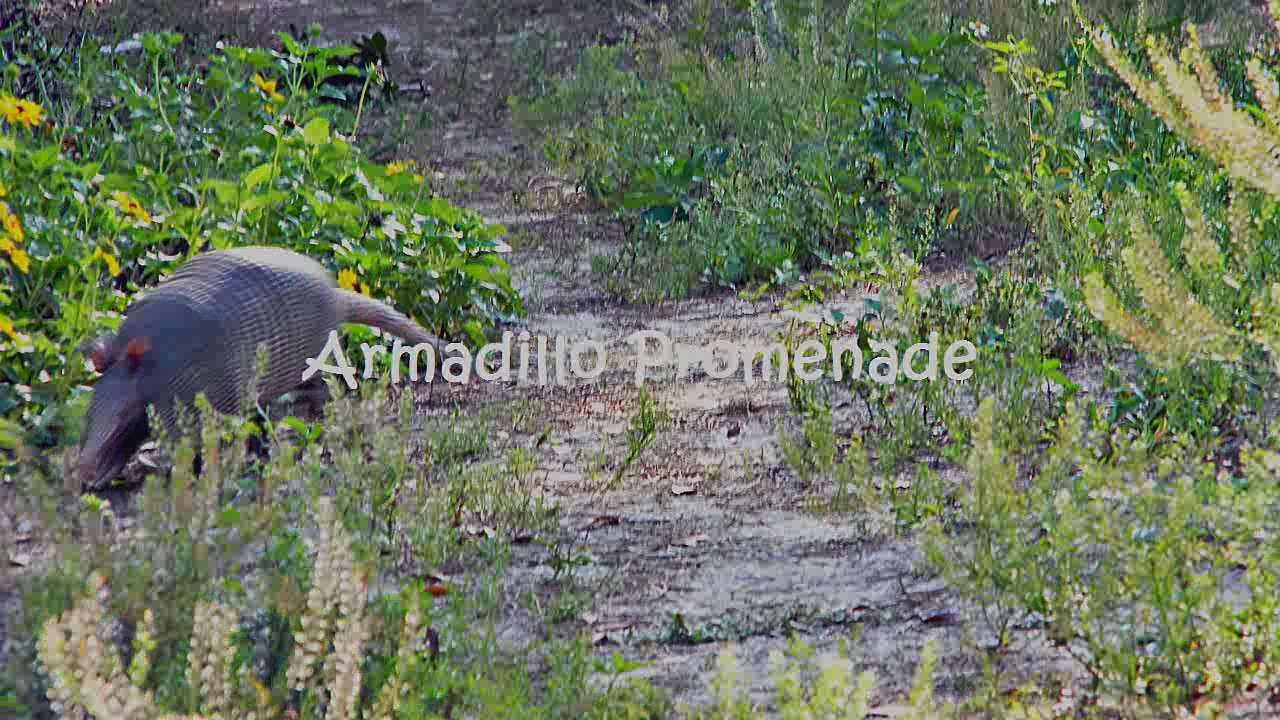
[234, 300]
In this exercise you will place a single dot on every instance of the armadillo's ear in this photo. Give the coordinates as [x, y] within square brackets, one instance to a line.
[95, 350]
[135, 351]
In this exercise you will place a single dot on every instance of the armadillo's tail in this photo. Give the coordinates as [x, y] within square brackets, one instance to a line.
[356, 308]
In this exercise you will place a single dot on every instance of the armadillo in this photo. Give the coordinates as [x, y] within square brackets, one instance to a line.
[199, 331]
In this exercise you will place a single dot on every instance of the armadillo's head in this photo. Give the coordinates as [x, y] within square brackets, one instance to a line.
[115, 424]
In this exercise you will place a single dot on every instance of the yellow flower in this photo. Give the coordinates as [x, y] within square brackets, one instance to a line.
[269, 108]
[12, 226]
[267, 87]
[4, 191]
[113, 267]
[6, 245]
[347, 279]
[20, 259]
[29, 113]
[394, 168]
[130, 206]
[9, 108]
[20, 112]
[364, 290]
[6, 327]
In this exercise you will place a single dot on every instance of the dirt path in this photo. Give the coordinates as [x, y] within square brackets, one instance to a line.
[707, 539]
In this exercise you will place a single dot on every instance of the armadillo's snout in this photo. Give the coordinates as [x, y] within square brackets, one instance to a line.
[100, 463]
[99, 460]
[113, 432]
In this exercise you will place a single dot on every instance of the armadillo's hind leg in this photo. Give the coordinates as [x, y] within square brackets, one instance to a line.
[314, 393]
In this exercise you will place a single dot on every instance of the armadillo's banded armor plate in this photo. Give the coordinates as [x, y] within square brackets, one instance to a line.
[237, 300]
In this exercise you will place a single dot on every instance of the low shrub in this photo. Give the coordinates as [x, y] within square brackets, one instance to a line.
[125, 167]
[731, 161]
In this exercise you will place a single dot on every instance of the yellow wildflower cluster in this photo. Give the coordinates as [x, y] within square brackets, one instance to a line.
[130, 206]
[20, 112]
[269, 91]
[347, 280]
[1187, 95]
[11, 237]
[1194, 106]
[108, 259]
[11, 234]
[87, 676]
[397, 167]
[7, 329]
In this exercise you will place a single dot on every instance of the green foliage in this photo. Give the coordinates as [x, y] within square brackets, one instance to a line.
[145, 162]
[649, 419]
[826, 688]
[1151, 571]
[1212, 300]
[734, 165]
[244, 533]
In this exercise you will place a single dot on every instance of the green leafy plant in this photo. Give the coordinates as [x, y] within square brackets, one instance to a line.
[101, 201]
[649, 419]
[757, 160]
[1223, 303]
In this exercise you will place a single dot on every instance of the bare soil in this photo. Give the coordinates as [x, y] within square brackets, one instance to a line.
[708, 539]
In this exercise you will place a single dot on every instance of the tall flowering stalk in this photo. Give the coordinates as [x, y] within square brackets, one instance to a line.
[87, 678]
[1187, 95]
[333, 626]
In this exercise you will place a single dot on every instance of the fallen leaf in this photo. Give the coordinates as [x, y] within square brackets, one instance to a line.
[683, 489]
[20, 559]
[437, 589]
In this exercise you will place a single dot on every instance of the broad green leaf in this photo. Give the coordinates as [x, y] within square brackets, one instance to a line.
[316, 132]
[224, 190]
[256, 176]
[912, 184]
[261, 200]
